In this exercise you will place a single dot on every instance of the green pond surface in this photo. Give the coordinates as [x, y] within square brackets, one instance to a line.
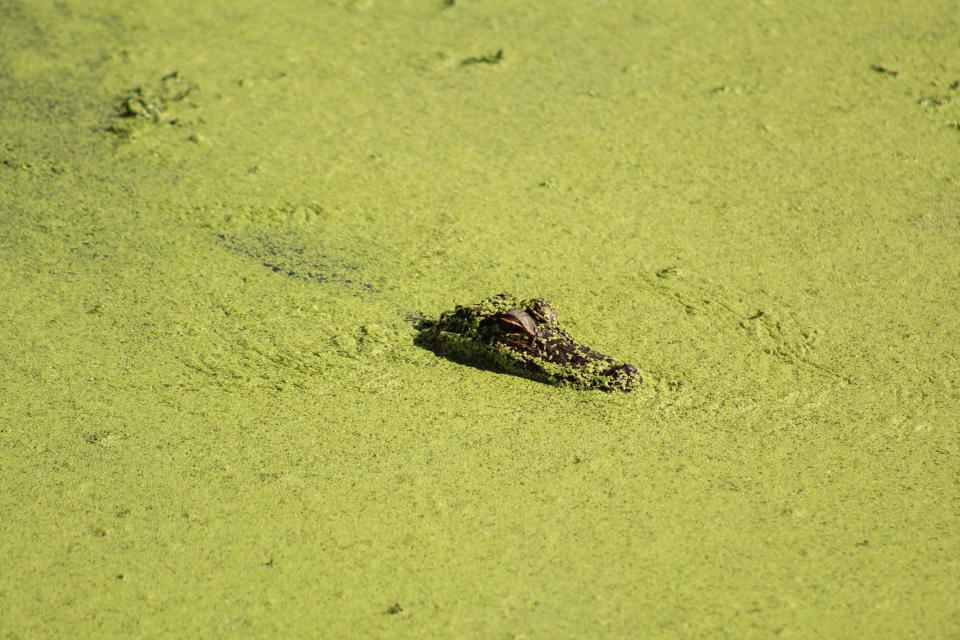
[221, 220]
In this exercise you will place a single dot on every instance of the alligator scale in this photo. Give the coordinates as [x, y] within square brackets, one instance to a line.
[523, 337]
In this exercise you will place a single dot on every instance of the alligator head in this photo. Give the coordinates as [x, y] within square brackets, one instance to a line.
[523, 337]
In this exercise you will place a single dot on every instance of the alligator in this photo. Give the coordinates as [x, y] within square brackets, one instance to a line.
[523, 337]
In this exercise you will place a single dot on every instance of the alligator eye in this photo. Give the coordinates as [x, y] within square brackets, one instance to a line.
[516, 321]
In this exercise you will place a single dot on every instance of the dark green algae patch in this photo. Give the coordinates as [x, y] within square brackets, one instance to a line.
[525, 338]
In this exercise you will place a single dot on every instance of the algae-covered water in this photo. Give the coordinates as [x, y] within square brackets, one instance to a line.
[219, 222]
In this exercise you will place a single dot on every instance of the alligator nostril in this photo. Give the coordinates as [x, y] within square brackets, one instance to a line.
[625, 370]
